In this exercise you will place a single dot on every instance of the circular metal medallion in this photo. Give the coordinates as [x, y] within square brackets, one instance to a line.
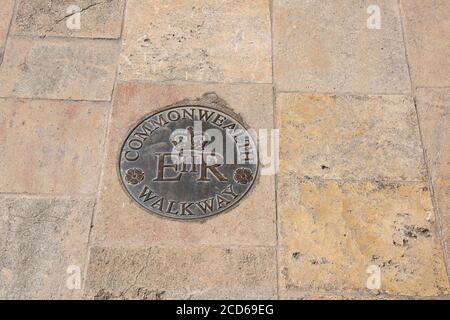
[194, 159]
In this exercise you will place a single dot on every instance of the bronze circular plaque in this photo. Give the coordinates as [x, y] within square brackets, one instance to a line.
[191, 160]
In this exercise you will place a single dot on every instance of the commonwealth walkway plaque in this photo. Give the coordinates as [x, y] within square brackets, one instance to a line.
[190, 160]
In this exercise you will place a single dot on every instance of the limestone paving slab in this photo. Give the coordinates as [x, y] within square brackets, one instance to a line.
[194, 272]
[340, 210]
[119, 220]
[98, 19]
[332, 231]
[433, 106]
[6, 12]
[442, 194]
[350, 137]
[326, 46]
[355, 295]
[59, 69]
[426, 25]
[51, 146]
[41, 239]
[207, 40]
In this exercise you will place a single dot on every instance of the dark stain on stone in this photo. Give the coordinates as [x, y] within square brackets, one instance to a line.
[296, 255]
[135, 294]
[382, 185]
[319, 261]
[414, 232]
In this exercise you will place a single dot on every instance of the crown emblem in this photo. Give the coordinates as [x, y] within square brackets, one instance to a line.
[189, 147]
[189, 140]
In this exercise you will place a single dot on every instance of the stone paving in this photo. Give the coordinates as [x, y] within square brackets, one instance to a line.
[363, 113]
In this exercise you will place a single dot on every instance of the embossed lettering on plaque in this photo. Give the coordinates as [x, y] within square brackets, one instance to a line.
[193, 159]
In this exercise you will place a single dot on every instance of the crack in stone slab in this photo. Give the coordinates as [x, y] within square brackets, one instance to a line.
[70, 15]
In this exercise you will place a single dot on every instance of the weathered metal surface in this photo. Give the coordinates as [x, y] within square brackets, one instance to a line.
[191, 160]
